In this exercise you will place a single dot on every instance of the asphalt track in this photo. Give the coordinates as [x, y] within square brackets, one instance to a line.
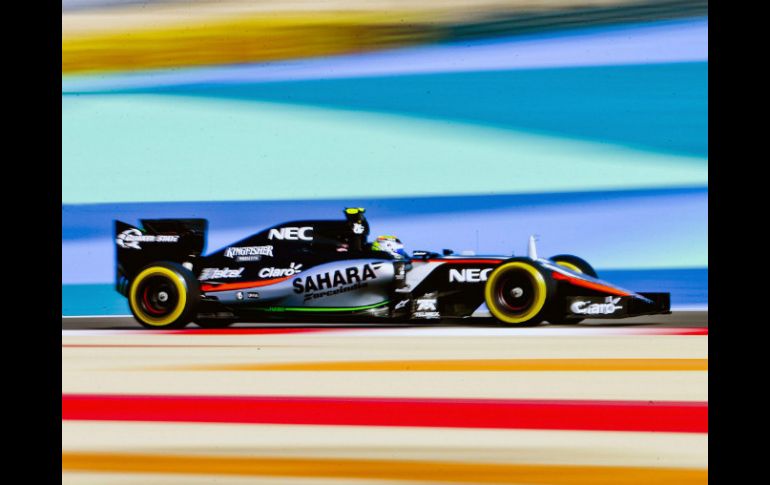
[623, 402]
[676, 319]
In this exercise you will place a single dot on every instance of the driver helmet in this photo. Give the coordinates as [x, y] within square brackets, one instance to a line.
[390, 244]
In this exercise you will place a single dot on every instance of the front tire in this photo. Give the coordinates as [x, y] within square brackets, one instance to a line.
[518, 292]
[164, 296]
[578, 265]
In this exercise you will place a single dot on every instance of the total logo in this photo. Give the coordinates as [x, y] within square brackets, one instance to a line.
[609, 307]
[469, 275]
[217, 273]
[130, 239]
[278, 272]
[291, 233]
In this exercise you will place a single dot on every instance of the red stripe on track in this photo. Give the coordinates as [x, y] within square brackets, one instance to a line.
[585, 330]
[651, 330]
[683, 417]
[590, 330]
[243, 331]
[151, 346]
[684, 331]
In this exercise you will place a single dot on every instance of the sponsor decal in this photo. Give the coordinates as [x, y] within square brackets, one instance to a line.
[291, 233]
[401, 304]
[335, 282]
[469, 275]
[426, 307]
[239, 295]
[131, 239]
[249, 253]
[430, 315]
[358, 228]
[587, 307]
[217, 273]
[278, 272]
[252, 295]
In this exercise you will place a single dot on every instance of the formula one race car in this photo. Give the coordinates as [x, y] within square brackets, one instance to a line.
[328, 269]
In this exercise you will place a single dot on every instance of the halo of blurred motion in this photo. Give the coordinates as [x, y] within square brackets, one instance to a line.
[113, 35]
[468, 124]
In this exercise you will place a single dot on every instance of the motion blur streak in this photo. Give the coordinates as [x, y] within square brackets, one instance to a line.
[410, 470]
[163, 35]
[675, 417]
[475, 365]
[126, 420]
[241, 40]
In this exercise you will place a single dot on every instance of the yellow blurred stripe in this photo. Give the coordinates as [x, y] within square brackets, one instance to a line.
[239, 39]
[472, 365]
[413, 470]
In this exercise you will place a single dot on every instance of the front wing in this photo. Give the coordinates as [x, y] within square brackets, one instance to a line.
[616, 306]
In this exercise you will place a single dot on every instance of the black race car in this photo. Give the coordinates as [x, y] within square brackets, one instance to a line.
[328, 270]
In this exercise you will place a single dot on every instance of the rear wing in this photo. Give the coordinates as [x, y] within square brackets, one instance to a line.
[175, 240]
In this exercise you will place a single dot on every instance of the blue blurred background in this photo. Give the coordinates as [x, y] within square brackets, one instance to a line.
[582, 122]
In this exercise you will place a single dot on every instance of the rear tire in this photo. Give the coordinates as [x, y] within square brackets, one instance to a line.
[518, 292]
[164, 296]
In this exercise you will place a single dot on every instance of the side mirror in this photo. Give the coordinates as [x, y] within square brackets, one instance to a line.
[447, 252]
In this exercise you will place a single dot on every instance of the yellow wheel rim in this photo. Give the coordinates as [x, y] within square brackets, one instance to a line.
[569, 266]
[538, 283]
[175, 279]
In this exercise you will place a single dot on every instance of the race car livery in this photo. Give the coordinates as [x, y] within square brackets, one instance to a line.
[327, 269]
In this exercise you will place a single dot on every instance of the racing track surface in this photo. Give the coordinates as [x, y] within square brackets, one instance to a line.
[326, 404]
[676, 319]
